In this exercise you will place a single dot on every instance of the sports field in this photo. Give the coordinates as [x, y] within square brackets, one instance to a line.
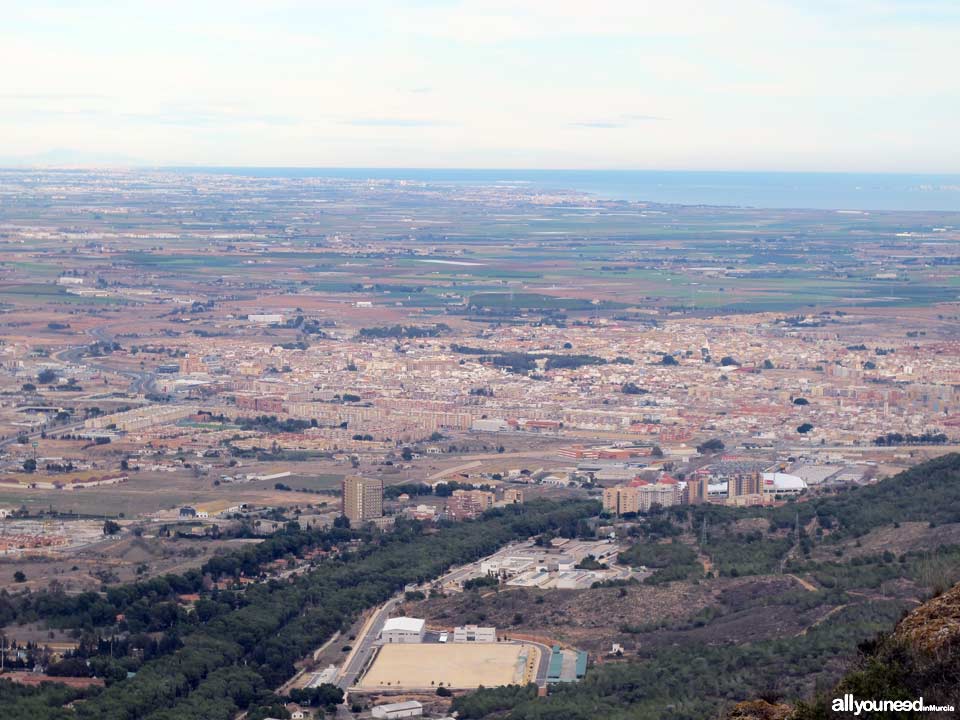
[457, 665]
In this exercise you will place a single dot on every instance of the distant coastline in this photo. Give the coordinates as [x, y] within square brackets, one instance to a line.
[777, 190]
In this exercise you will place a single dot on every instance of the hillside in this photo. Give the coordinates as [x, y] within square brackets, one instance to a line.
[781, 608]
[919, 659]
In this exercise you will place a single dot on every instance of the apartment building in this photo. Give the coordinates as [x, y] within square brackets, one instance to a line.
[640, 498]
[361, 499]
[465, 504]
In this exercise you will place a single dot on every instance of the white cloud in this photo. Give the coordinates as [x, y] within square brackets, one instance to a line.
[557, 83]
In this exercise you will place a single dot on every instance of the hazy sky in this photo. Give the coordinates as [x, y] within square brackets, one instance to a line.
[674, 84]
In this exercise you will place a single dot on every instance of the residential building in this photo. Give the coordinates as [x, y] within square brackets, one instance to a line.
[361, 499]
[698, 488]
[465, 504]
[640, 497]
[745, 484]
[513, 496]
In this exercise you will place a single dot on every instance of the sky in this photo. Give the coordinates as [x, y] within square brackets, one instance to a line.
[821, 85]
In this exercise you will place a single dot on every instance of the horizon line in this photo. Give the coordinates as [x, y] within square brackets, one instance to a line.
[399, 168]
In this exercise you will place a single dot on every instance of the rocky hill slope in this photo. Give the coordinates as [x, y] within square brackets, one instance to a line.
[919, 659]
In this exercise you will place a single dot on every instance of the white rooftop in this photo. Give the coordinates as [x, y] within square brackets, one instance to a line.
[783, 481]
[407, 705]
[404, 624]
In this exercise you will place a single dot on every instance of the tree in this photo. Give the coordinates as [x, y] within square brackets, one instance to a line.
[656, 452]
[712, 445]
[669, 360]
[28, 387]
[29, 465]
[801, 401]
[46, 377]
[19, 576]
[443, 692]
[111, 528]
[406, 454]
[805, 428]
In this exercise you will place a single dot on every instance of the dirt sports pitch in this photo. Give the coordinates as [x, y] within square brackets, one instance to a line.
[457, 665]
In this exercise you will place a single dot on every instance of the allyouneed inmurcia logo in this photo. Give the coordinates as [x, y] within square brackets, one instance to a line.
[849, 704]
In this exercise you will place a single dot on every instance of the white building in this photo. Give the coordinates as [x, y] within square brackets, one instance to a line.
[489, 425]
[472, 633]
[411, 708]
[403, 630]
[776, 483]
[265, 318]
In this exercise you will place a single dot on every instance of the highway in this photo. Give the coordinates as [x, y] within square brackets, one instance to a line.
[45, 428]
[141, 383]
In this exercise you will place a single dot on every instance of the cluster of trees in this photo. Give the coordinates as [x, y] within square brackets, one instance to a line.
[404, 331]
[444, 489]
[934, 570]
[47, 376]
[694, 681]
[88, 611]
[712, 445]
[929, 492]
[101, 348]
[484, 581]
[526, 363]
[324, 696]
[308, 327]
[745, 553]
[927, 438]
[670, 561]
[226, 663]
[270, 424]
[892, 667]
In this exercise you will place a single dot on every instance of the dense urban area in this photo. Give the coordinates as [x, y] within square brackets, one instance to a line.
[298, 447]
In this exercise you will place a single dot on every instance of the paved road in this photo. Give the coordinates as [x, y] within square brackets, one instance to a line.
[544, 665]
[51, 429]
[141, 382]
[364, 644]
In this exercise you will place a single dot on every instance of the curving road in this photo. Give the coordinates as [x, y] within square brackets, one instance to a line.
[141, 382]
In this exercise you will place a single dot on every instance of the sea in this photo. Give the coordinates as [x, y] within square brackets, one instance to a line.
[775, 190]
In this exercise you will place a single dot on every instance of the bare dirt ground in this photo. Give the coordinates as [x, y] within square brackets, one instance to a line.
[116, 560]
[148, 492]
[459, 665]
